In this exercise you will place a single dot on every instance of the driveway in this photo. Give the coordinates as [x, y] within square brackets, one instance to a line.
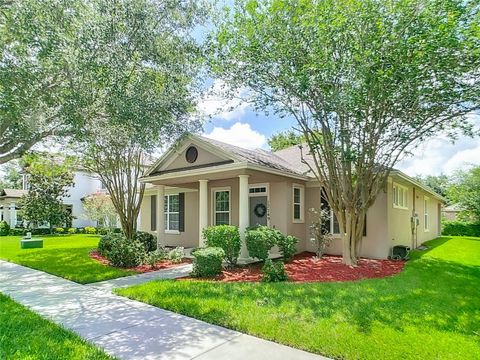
[130, 329]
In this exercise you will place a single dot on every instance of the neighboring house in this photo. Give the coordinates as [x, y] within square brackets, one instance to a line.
[9, 208]
[200, 182]
[85, 184]
[451, 212]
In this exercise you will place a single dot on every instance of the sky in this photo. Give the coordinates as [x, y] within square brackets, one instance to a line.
[236, 123]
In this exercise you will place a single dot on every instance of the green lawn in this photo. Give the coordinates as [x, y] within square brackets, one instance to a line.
[429, 311]
[62, 255]
[26, 335]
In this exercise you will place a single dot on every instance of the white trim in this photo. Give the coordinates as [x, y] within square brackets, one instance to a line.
[172, 232]
[426, 214]
[220, 189]
[418, 184]
[302, 203]
[404, 205]
[259, 185]
[332, 225]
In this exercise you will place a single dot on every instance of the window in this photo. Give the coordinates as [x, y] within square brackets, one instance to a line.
[298, 203]
[400, 196]
[172, 213]
[221, 207]
[425, 213]
[257, 190]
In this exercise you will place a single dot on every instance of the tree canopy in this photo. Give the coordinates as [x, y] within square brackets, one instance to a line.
[366, 81]
[49, 179]
[285, 139]
[465, 192]
[64, 64]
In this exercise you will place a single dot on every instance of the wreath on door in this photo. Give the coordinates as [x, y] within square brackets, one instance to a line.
[260, 210]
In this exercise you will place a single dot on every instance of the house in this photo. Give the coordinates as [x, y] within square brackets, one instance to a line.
[200, 182]
[85, 184]
[451, 212]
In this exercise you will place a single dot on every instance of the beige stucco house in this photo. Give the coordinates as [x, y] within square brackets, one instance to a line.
[201, 182]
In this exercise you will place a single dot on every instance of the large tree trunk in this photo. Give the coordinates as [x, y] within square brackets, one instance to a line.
[351, 225]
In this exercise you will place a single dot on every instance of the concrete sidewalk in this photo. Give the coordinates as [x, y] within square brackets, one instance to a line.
[130, 329]
[170, 273]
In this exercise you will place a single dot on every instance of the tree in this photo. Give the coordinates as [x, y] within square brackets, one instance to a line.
[283, 140]
[142, 66]
[12, 179]
[465, 191]
[99, 208]
[365, 80]
[35, 49]
[440, 183]
[49, 179]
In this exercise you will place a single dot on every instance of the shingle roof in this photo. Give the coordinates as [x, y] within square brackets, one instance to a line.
[257, 156]
[13, 193]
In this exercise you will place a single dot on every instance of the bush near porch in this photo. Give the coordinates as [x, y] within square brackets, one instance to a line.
[431, 310]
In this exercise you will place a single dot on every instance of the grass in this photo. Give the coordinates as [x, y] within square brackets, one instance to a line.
[62, 255]
[26, 335]
[429, 311]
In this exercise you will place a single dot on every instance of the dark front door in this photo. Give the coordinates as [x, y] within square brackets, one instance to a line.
[258, 210]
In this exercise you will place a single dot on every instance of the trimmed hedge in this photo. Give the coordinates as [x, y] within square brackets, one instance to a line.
[260, 240]
[107, 242]
[287, 247]
[226, 237]
[274, 271]
[208, 261]
[147, 239]
[4, 228]
[460, 228]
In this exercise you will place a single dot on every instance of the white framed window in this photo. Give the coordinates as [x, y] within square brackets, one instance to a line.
[172, 213]
[221, 206]
[298, 194]
[334, 226]
[426, 220]
[400, 196]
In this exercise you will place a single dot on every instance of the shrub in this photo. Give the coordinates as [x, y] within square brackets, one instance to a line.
[107, 243]
[90, 230]
[102, 231]
[274, 271]
[59, 230]
[260, 240]
[4, 228]
[226, 237]
[40, 231]
[176, 255]
[72, 231]
[153, 257]
[81, 230]
[208, 261]
[287, 247]
[460, 228]
[126, 253]
[17, 231]
[147, 239]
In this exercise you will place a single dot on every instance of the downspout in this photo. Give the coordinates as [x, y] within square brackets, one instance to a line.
[414, 221]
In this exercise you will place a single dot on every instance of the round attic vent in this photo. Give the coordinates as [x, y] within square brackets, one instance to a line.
[191, 154]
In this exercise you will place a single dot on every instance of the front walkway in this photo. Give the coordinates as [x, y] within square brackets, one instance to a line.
[130, 329]
[170, 273]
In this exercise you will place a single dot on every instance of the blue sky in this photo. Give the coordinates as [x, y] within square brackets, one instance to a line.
[236, 123]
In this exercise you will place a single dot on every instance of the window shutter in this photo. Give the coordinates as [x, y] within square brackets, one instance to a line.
[153, 212]
[181, 212]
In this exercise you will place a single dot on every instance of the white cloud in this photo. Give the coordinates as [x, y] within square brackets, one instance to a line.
[217, 104]
[239, 134]
[440, 155]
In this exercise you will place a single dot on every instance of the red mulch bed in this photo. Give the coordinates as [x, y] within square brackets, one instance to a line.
[164, 264]
[306, 268]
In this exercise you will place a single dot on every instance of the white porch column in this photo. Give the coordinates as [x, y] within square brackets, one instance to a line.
[243, 212]
[202, 209]
[13, 215]
[160, 215]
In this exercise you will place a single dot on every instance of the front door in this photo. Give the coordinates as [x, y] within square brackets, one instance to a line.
[258, 210]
